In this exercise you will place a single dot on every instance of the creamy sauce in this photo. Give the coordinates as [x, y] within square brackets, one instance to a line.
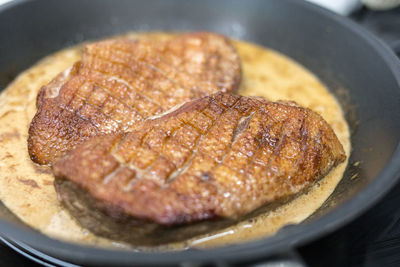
[27, 189]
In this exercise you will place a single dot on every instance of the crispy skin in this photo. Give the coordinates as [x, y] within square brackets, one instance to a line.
[218, 156]
[120, 82]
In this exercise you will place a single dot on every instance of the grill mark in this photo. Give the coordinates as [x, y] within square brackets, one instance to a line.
[237, 132]
[240, 128]
[85, 99]
[159, 70]
[243, 124]
[139, 174]
[160, 56]
[106, 178]
[116, 77]
[66, 107]
[118, 146]
[122, 163]
[217, 53]
[155, 60]
[259, 148]
[188, 163]
[89, 119]
[99, 110]
[183, 145]
[266, 113]
[82, 118]
[149, 65]
[73, 93]
[75, 112]
[279, 146]
[317, 158]
[126, 136]
[134, 74]
[134, 89]
[111, 175]
[153, 67]
[107, 91]
[74, 90]
[191, 125]
[304, 143]
[282, 130]
[176, 68]
[104, 101]
[154, 117]
[98, 107]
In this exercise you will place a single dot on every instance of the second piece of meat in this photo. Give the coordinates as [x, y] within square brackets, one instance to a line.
[119, 82]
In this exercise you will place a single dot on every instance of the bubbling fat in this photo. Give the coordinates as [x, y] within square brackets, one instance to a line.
[27, 189]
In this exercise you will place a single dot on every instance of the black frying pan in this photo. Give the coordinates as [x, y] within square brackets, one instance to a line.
[362, 72]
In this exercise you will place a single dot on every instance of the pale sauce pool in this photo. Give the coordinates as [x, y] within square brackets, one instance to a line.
[27, 189]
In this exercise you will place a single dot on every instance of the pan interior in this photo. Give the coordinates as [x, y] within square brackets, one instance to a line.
[266, 73]
[360, 71]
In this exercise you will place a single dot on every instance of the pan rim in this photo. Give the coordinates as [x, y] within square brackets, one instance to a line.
[283, 240]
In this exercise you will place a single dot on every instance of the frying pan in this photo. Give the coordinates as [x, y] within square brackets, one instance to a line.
[361, 71]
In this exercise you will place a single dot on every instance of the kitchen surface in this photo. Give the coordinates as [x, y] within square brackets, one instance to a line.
[371, 240]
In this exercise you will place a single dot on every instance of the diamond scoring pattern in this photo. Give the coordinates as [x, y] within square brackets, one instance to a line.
[221, 155]
[120, 82]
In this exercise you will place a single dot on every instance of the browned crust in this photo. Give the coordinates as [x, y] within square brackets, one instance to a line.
[218, 156]
[119, 82]
[110, 222]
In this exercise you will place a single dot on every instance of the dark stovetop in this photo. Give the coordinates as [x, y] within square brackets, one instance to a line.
[371, 240]
[374, 238]
[10, 258]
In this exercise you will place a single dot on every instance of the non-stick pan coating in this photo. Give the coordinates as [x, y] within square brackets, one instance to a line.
[362, 72]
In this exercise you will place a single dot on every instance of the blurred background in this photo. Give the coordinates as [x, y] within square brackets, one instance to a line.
[374, 238]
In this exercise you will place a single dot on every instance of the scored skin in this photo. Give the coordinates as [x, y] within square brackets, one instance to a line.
[120, 82]
[218, 156]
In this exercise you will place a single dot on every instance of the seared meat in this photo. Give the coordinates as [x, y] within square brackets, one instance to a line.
[120, 82]
[220, 156]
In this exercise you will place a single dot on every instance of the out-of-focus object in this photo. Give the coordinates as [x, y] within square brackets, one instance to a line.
[342, 7]
[385, 24]
[336, 50]
[4, 1]
[381, 4]
[345, 7]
